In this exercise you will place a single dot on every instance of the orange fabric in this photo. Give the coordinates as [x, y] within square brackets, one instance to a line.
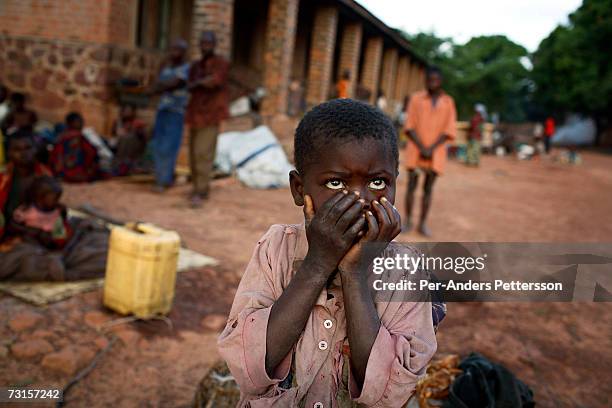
[429, 123]
[342, 89]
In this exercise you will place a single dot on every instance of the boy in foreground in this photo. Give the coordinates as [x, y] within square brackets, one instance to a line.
[305, 329]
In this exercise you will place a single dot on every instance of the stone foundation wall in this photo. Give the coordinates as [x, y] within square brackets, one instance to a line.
[62, 76]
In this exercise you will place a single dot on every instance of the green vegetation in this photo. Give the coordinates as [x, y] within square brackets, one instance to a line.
[569, 72]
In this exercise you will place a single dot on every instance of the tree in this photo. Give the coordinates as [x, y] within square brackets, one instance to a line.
[571, 68]
[489, 69]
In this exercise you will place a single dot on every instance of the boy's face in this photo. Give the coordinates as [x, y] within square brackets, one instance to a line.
[21, 152]
[367, 166]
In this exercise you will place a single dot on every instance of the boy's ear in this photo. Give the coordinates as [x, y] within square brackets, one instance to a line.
[297, 187]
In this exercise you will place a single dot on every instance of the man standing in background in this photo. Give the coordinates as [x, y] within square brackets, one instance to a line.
[168, 131]
[430, 123]
[207, 108]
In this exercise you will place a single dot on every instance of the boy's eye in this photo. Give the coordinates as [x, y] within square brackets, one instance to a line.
[334, 184]
[377, 184]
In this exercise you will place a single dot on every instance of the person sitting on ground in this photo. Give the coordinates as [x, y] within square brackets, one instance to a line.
[42, 217]
[84, 254]
[129, 141]
[73, 158]
[304, 328]
[19, 116]
[20, 171]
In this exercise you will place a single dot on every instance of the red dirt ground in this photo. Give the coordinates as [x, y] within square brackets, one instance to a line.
[563, 351]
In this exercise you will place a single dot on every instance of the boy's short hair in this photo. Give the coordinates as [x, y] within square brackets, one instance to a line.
[341, 119]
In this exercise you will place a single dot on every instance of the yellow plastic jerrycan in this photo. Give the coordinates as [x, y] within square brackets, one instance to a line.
[141, 270]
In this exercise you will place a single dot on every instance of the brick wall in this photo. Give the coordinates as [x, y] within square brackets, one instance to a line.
[280, 40]
[370, 71]
[99, 21]
[401, 82]
[388, 76]
[416, 80]
[350, 50]
[215, 15]
[321, 54]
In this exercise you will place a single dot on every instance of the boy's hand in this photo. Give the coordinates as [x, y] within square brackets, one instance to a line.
[333, 229]
[384, 224]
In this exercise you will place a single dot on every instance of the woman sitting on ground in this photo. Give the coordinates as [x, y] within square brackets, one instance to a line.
[82, 255]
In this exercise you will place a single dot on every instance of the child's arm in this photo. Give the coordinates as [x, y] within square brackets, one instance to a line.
[390, 352]
[331, 232]
[244, 343]
[363, 323]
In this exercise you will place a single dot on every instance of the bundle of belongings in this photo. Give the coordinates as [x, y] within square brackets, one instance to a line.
[476, 382]
[255, 156]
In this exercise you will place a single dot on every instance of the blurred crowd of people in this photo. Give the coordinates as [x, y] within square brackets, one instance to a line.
[38, 238]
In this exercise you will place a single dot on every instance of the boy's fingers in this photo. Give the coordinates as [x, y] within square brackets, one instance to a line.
[355, 229]
[308, 209]
[340, 207]
[372, 233]
[331, 202]
[384, 222]
[394, 216]
[350, 215]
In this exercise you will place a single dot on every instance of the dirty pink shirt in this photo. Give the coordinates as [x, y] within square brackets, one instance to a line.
[403, 347]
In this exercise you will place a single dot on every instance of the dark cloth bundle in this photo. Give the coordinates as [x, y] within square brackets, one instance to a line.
[485, 384]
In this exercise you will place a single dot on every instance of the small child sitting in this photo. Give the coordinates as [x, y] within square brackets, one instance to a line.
[74, 158]
[129, 141]
[42, 217]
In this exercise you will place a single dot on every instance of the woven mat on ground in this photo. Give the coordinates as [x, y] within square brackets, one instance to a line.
[42, 293]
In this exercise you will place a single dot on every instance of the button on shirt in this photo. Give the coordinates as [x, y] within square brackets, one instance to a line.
[404, 345]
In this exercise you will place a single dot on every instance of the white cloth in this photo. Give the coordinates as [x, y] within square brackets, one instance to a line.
[255, 156]
[4, 110]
